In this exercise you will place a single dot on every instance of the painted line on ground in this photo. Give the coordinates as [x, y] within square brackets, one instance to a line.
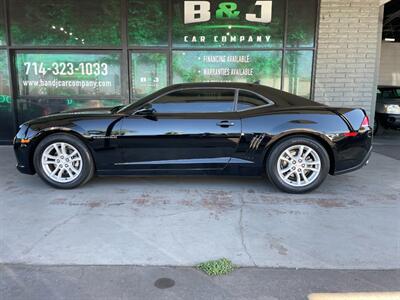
[355, 296]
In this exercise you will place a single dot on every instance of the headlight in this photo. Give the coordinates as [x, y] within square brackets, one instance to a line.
[392, 108]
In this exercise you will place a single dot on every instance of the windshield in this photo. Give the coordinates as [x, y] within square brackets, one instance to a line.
[390, 93]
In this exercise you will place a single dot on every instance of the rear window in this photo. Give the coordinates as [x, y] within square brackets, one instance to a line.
[249, 100]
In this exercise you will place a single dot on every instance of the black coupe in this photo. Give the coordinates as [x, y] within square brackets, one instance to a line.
[207, 128]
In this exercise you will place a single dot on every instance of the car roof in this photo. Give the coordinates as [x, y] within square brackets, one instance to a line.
[280, 98]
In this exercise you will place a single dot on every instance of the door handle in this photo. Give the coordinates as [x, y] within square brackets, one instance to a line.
[225, 124]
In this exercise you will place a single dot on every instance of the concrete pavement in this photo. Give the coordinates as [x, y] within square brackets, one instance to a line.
[351, 222]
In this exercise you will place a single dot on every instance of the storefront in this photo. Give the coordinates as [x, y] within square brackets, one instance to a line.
[59, 55]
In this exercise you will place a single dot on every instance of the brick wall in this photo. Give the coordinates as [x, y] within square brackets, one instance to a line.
[347, 53]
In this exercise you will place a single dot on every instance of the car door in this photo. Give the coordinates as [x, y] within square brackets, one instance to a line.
[183, 129]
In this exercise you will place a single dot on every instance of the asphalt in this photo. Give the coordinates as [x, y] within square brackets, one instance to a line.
[20, 282]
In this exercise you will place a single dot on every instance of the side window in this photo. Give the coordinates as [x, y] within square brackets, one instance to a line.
[195, 101]
[249, 100]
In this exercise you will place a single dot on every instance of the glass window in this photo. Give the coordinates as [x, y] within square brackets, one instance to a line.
[195, 101]
[302, 18]
[33, 108]
[245, 23]
[73, 22]
[6, 105]
[228, 66]
[248, 100]
[2, 25]
[298, 72]
[148, 22]
[68, 74]
[149, 73]
[390, 93]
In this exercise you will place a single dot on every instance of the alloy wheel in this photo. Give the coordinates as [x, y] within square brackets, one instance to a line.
[62, 162]
[299, 165]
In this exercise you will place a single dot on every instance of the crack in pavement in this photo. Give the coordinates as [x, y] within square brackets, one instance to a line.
[241, 231]
[48, 232]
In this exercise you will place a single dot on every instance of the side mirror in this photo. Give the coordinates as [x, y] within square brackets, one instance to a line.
[145, 112]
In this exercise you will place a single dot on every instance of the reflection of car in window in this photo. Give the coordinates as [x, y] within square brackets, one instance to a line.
[387, 112]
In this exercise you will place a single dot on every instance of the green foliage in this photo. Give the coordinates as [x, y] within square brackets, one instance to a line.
[148, 22]
[82, 22]
[218, 267]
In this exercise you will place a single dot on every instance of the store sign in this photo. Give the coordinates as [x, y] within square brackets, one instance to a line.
[199, 11]
[68, 74]
[228, 66]
[245, 23]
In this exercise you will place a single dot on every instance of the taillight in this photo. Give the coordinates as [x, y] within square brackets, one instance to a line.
[364, 125]
[365, 122]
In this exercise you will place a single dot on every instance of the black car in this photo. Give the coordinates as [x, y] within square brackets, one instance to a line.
[387, 112]
[207, 128]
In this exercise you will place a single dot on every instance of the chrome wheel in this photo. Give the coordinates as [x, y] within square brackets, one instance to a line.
[299, 165]
[62, 162]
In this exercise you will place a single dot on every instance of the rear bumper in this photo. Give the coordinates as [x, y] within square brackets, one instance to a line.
[363, 163]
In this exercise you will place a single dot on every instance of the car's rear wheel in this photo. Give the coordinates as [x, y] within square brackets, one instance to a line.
[297, 164]
[63, 161]
[378, 128]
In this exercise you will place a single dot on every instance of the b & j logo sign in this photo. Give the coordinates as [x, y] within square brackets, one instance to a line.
[200, 11]
[244, 23]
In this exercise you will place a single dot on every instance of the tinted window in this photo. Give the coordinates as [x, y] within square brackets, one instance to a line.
[73, 22]
[249, 100]
[2, 29]
[6, 105]
[228, 66]
[298, 73]
[390, 93]
[197, 101]
[143, 30]
[149, 73]
[302, 17]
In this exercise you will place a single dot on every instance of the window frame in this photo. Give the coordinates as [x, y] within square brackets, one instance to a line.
[234, 101]
[269, 102]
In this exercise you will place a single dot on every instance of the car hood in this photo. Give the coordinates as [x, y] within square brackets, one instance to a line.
[71, 114]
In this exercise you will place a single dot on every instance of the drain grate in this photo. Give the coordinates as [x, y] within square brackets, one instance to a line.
[164, 283]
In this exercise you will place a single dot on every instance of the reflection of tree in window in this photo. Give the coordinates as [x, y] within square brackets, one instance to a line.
[73, 22]
[301, 23]
[149, 73]
[148, 22]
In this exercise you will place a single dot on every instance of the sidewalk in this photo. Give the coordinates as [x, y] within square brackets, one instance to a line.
[351, 222]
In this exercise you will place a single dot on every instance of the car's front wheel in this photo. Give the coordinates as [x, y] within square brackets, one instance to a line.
[297, 164]
[63, 161]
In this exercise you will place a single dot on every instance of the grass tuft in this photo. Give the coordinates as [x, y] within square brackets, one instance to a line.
[217, 267]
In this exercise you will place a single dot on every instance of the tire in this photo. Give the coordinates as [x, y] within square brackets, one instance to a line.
[280, 165]
[69, 155]
[378, 128]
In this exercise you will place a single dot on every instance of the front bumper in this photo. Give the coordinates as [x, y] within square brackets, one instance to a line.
[389, 120]
[24, 159]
